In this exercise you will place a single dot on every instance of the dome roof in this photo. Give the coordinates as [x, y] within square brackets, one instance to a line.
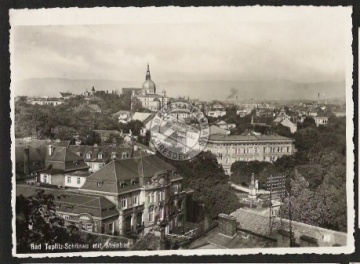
[149, 85]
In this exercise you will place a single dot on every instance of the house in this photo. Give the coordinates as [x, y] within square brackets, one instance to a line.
[145, 190]
[30, 155]
[123, 116]
[224, 125]
[215, 113]
[321, 120]
[28, 160]
[47, 101]
[265, 112]
[243, 112]
[59, 162]
[312, 114]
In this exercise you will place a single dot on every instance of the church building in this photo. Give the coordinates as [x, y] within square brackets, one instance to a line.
[148, 97]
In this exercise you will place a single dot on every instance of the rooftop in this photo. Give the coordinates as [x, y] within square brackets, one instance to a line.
[248, 138]
[118, 171]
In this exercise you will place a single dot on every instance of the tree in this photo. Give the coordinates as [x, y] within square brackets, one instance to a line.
[37, 222]
[65, 133]
[325, 207]
[308, 122]
[136, 105]
[114, 138]
[206, 177]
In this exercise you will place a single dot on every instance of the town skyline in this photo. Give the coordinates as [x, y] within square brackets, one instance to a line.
[247, 48]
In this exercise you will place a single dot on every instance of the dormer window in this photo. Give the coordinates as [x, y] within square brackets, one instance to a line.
[134, 182]
[113, 155]
[124, 155]
[88, 155]
[100, 156]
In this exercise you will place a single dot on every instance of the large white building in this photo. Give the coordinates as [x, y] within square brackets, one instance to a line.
[231, 148]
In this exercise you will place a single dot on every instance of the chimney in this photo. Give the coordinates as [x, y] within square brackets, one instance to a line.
[140, 167]
[50, 150]
[26, 160]
[227, 225]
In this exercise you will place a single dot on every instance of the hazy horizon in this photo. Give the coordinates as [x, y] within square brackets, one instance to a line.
[183, 45]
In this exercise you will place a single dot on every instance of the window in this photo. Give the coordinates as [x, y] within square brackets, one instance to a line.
[66, 217]
[227, 161]
[123, 202]
[227, 150]
[287, 149]
[99, 184]
[113, 155]
[78, 180]
[125, 155]
[45, 178]
[161, 213]
[100, 156]
[68, 179]
[151, 214]
[135, 200]
[111, 227]
[88, 155]
[162, 195]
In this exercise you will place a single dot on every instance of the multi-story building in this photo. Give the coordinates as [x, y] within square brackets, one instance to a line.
[231, 148]
[146, 191]
[148, 97]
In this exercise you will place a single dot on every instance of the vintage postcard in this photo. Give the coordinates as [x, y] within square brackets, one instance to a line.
[182, 131]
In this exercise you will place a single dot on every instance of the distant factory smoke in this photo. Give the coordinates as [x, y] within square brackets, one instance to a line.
[233, 92]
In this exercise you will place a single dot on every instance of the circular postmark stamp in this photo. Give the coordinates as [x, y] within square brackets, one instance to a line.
[179, 131]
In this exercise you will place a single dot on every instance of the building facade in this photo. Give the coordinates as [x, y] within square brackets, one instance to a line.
[146, 192]
[231, 148]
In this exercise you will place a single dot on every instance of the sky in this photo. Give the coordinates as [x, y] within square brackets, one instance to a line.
[307, 44]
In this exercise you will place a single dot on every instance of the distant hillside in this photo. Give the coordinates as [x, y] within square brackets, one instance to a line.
[204, 90]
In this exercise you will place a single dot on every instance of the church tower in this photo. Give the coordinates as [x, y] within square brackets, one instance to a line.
[149, 86]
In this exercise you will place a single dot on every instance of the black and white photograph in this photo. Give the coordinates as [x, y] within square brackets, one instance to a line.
[182, 131]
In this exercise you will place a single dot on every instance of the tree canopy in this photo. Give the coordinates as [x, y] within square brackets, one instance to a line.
[38, 223]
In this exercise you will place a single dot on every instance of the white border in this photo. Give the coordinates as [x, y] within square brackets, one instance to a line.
[76, 16]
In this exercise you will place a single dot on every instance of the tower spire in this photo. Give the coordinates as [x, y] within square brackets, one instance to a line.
[148, 76]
